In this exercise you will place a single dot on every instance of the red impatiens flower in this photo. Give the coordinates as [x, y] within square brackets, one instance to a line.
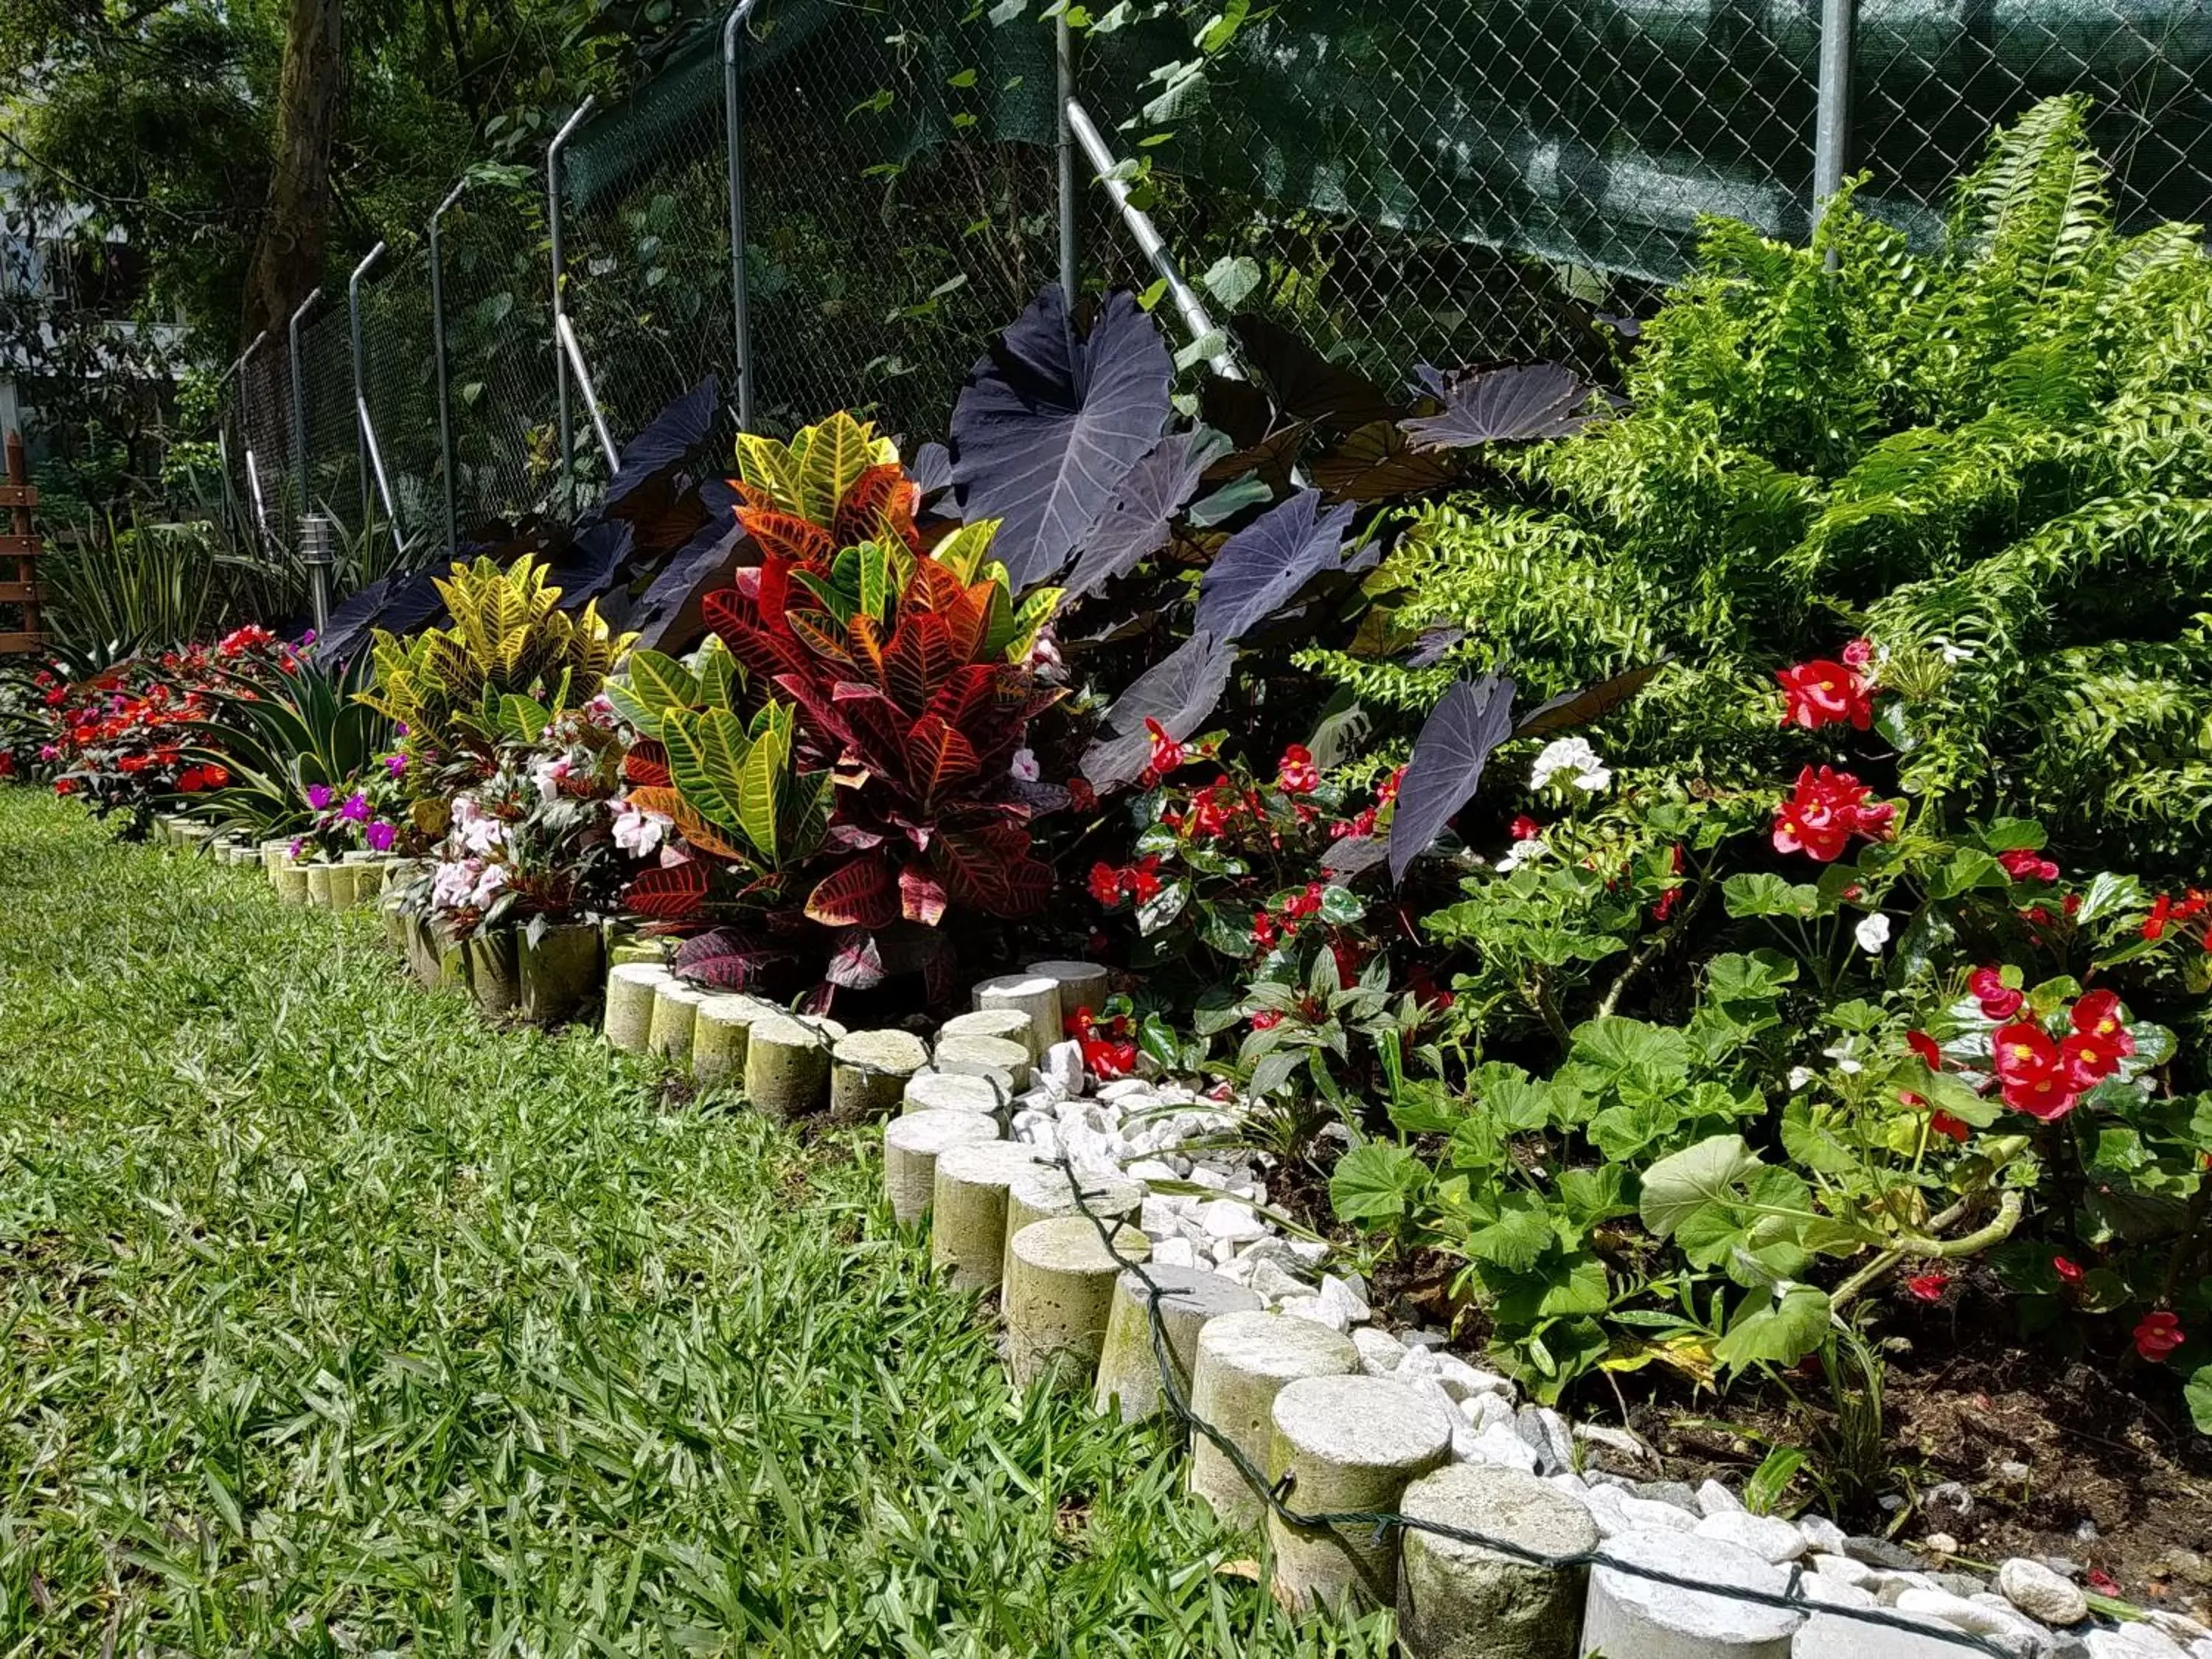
[2069, 1271]
[1524, 828]
[1949, 1128]
[1303, 904]
[1139, 881]
[1266, 1019]
[1827, 809]
[1107, 1060]
[2099, 1015]
[1105, 884]
[2035, 1077]
[1823, 693]
[2159, 1335]
[1924, 1046]
[1297, 774]
[1263, 929]
[1928, 1287]
[1999, 1000]
[1858, 654]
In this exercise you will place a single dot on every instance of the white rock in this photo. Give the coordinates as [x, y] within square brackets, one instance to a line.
[1123, 1090]
[1236, 1271]
[1612, 1439]
[1380, 1353]
[1764, 1537]
[1972, 1617]
[1822, 1533]
[1650, 1514]
[1045, 1137]
[1545, 1433]
[1419, 1361]
[1461, 1379]
[1225, 1218]
[1151, 1169]
[1158, 1217]
[1346, 1306]
[2178, 1626]
[1714, 1499]
[2131, 1641]
[1214, 1180]
[2040, 1593]
[1267, 1277]
[1499, 1444]
[1223, 1250]
[1311, 1307]
[1311, 1251]
[1424, 1338]
[1062, 1068]
[1173, 1253]
[1834, 1592]
[1485, 1409]
[1845, 1571]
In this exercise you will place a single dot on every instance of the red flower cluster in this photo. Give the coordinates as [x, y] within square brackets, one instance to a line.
[2044, 1078]
[1998, 1000]
[2023, 866]
[1110, 1047]
[1823, 693]
[1827, 809]
[1139, 881]
[1929, 1286]
[1295, 909]
[1297, 775]
[1167, 757]
[2166, 911]
[194, 779]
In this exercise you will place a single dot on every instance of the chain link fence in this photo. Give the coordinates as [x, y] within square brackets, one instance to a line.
[1400, 181]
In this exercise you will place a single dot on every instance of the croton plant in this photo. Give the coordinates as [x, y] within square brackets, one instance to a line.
[843, 765]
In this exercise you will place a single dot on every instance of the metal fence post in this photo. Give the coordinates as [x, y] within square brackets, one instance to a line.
[1187, 305]
[361, 381]
[1064, 67]
[1832, 131]
[734, 167]
[553, 225]
[439, 369]
[245, 423]
[300, 404]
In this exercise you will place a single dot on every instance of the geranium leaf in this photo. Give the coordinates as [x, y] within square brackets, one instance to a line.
[1514, 404]
[1374, 1182]
[1048, 426]
[1455, 744]
[1263, 566]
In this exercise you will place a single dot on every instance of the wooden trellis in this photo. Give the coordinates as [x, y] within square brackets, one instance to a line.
[20, 588]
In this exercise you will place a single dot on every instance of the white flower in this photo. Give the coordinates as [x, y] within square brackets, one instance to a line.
[488, 886]
[1872, 933]
[1024, 767]
[1521, 852]
[637, 832]
[600, 711]
[1799, 1077]
[547, 776]
[1953, 654]
[1573, 755]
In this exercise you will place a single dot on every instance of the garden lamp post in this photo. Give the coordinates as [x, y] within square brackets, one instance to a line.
[315, 554]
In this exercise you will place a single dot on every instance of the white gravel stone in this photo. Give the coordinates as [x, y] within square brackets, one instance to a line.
[1175, 1253]
[1461, 1379]
[1714, 1499]
[1224, 1217]
[1546, 1434]
[1648, 1514]
[1380, 1353]
[1764, 1537]
[1845, 1571]
[1487, 1410]
[1822, 1533]
[1313, 1308]
[1126, 1092]
[1062, 1068]
[1499, 1444]
[2041, 1593]
[1630, 1617]
[1614, 1440]
[2131, 1641]
[1972, 1617]
[1340, 1295]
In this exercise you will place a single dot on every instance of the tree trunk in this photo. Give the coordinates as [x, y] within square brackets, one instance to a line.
[288, 257]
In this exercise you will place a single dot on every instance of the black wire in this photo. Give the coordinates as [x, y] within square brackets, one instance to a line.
[1383, 1521]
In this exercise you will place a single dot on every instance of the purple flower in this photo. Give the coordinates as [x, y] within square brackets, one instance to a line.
[48, 752]
[400, 726]
[319, 795]
[292, 851]
[380, 836]
[395, 764]
[307, 639]
[356, 807]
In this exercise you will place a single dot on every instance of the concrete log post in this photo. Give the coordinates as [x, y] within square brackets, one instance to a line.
[1036, 996]
[1057, 1295]
[1244, 1362]
[868, 1072]
[1129, 1366]
[912, 1147]
[1458, 1601]
[967, 1210]
[788, 1064]
[1347, 1443]
[630, 990]
[675, 1020]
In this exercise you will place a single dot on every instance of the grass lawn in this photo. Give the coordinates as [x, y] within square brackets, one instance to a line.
[332, 1322]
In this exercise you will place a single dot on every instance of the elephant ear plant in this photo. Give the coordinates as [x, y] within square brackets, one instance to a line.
[849, 751]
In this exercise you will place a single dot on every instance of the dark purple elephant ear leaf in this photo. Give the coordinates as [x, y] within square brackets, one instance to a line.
[1261, 567]
[1518, 402]
[667, 441]
[1136, 525]
[931, 469]
[1307, 385]
[1180, 691]
[1475, 717]
[671, 619]
[1434, 643]
[1572, 708]
[1049, 425]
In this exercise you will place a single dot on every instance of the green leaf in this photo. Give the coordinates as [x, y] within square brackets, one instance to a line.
[1767, 894]
[1779, 1333]
[2108, 895]
[1771, 1478]
[1633, 1052]
[2012, 835]
[1969, 869]
[1757, 976]
[1163, 907]
[1341, 905]
[1515, 1240]
[1677, 1188]
[1376, 1182]
[2199, 1392]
